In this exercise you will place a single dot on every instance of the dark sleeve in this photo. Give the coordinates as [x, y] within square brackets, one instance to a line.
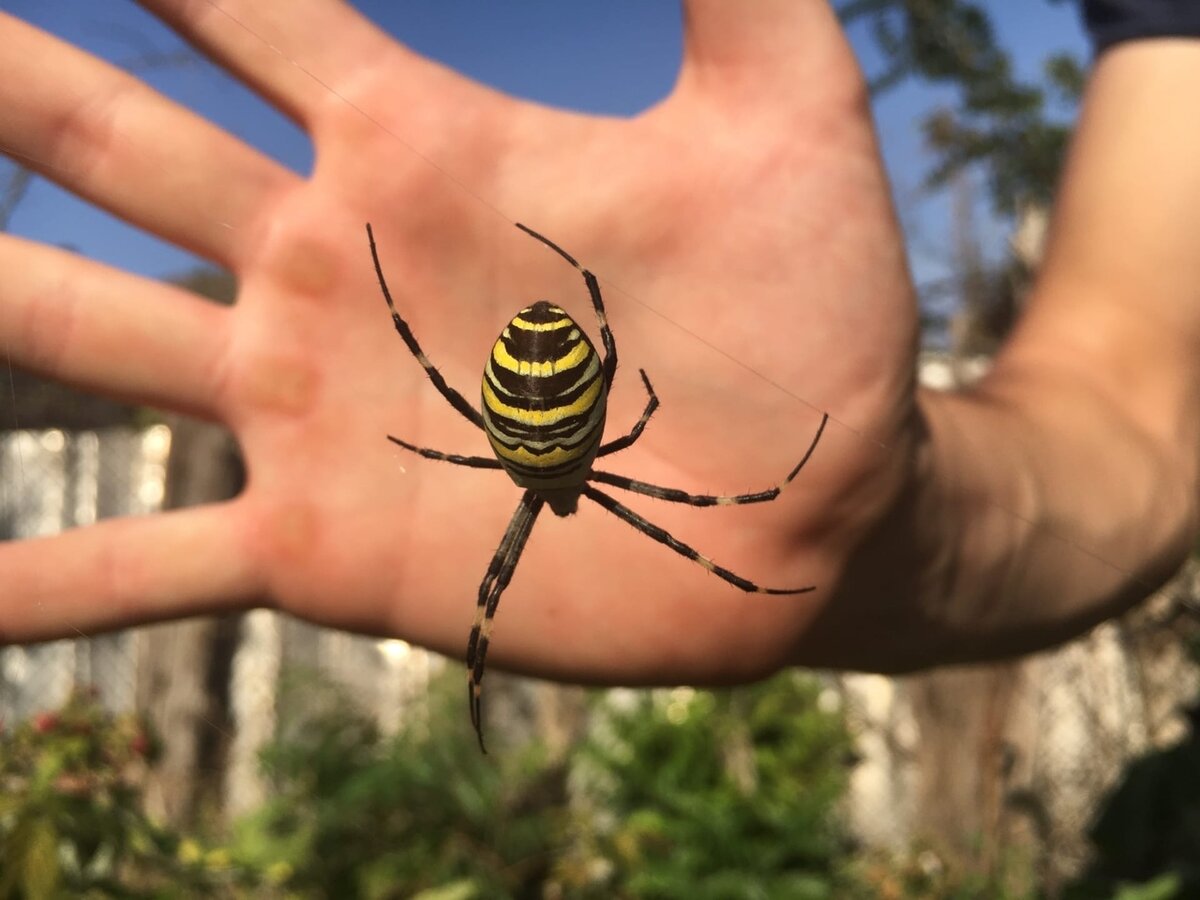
[1113, 21]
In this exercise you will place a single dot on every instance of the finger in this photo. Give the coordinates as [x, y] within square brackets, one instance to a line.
[751, 51]
[110, 139]
[122, 572]
[106, 331]
[293, 54]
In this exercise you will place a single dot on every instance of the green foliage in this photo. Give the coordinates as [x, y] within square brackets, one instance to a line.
[1146, 839]
[725, 794]
[999, 122]
[71, 823]
[729, 794]
[917, 872]
[355, 815]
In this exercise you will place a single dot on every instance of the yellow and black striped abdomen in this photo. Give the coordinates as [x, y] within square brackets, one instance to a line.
[544, 399]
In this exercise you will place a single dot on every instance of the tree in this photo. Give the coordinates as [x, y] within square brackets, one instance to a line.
[1003, 125]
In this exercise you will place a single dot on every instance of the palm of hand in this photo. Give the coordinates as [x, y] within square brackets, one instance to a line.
[750, 219]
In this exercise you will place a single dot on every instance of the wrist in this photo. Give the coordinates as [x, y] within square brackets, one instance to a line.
[1056, 509]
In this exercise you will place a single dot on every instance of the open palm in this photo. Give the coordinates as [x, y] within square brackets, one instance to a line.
[750, 260]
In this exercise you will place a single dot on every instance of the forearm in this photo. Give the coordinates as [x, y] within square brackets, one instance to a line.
[1068, 479]
[1119, 290]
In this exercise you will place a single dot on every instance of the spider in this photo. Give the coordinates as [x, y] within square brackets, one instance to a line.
[545, 392]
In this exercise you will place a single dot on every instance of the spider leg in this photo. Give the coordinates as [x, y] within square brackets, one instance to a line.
[659, 534]
[474, 462]
[499, 573]
[453, 397]
[677, 496]
[593, 286]
[628, 440]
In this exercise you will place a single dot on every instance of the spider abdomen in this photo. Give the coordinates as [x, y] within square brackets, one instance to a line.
[544, 400]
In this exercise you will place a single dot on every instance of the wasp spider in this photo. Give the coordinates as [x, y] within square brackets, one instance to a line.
[545, 392]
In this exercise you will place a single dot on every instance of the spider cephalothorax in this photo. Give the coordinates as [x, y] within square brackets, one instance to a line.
[545, 393]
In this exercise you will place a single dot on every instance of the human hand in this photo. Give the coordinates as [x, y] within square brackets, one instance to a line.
[722, 212]
[743, 222]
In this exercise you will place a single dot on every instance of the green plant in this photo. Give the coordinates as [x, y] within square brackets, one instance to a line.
[918, 872]
[71, 823]
[356, 815]
[725, 794]
[1146, 838]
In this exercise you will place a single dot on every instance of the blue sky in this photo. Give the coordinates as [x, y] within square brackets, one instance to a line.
[616, 57]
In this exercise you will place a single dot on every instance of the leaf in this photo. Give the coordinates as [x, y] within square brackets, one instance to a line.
[1165, 887]
[40, 872]
[463, 889]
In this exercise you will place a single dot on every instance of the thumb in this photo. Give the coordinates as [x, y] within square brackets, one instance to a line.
[759, 49]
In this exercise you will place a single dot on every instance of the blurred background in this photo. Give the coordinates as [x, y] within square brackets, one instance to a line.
[256, 755]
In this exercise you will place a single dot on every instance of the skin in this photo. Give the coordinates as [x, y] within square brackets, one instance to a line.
[751, 260]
